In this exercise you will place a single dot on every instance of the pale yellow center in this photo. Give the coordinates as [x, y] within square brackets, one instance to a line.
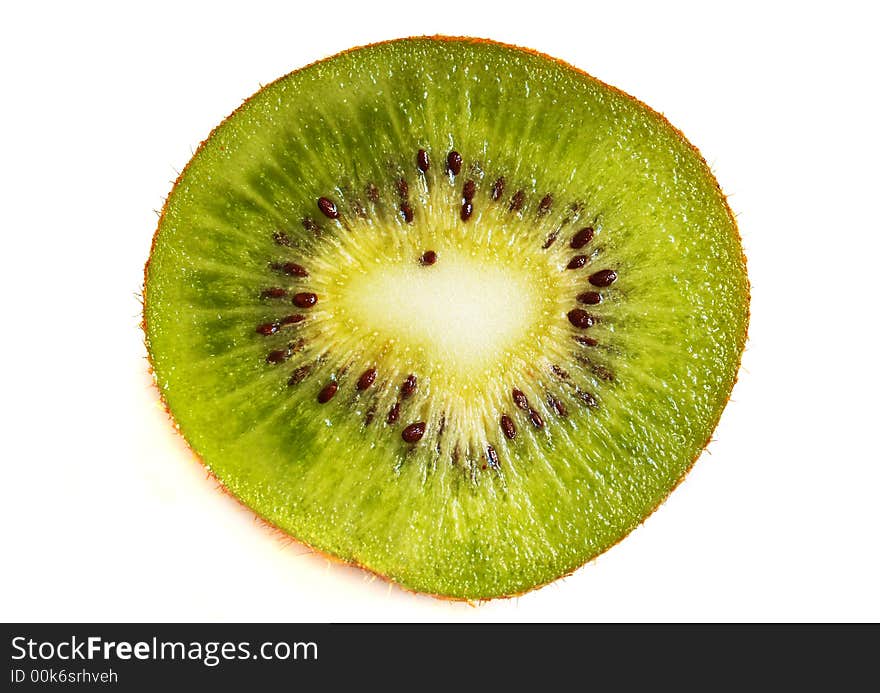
[488, 316]
[462, 310]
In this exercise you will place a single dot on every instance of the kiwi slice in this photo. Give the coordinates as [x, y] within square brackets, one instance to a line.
[447, 309]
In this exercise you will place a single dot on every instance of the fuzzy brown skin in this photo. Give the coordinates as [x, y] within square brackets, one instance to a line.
[335, 559]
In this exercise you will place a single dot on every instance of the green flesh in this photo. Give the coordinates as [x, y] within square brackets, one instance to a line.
[439, 515]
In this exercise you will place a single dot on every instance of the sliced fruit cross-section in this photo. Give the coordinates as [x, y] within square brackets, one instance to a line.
[447, 309]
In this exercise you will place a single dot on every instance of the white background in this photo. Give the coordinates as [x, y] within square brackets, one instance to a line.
[106, 516]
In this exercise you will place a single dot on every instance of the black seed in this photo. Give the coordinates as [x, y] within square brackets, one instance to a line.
[292, 319]
[551, 239]
[393, 413]
[602, 278]
[580, 318]
[545, 204]
[498, 189]
[428, 258]
[440, 429]
[591, 298]
[328, 392]
[517, 201]
[274, 292]
[586, 341]
[278, 356]
[310, 225]
[371, 412]
[557, 406]
[293, 269]
[453, 162]
[422, 160]
[467, 209]
[367, 378]
[406, 212]
[359, 209]
[414, 432]
[469, 190]
[268, 328]
[304, 299]
[493, 457]
[582, 237]
[298, 375]
[508, 426]
[587, 398]
[520, 400]
[559, 372]
[603, 373]
[328, 208]
[402, 188]
[536, 419]
[408, 387]
[281, 238]
[372, 192]
[577, 262]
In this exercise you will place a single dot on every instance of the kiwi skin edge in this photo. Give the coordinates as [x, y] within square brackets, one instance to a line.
[335, 559]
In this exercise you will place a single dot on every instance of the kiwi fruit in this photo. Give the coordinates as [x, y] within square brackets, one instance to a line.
[447, 309]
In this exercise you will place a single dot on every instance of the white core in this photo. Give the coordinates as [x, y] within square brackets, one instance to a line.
[462, 309]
